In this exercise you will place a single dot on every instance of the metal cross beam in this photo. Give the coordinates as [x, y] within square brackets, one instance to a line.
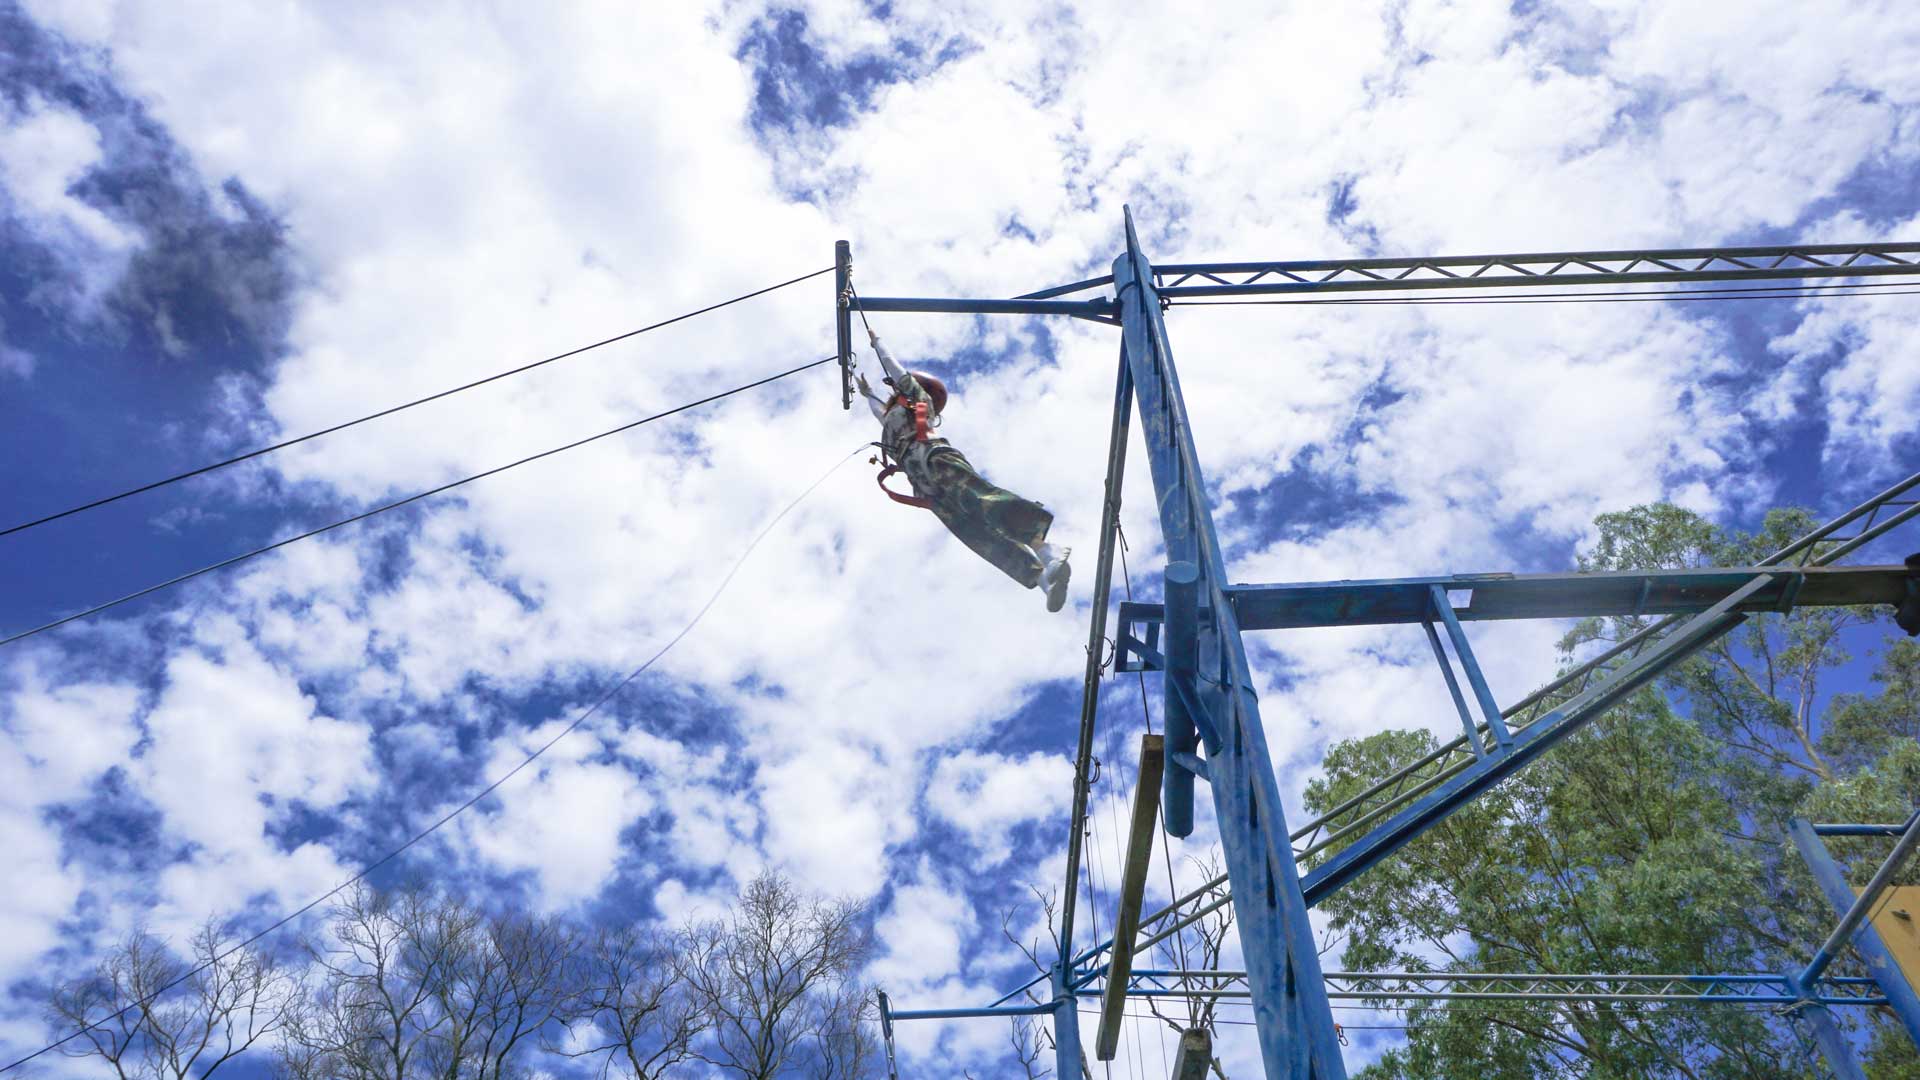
[1479, 597]
[1639, 266]
[1629, 266]
[1391, 986]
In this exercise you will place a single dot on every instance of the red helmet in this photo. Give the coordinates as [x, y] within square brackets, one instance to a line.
[935, 389]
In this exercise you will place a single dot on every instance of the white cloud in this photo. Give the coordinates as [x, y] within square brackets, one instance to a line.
[45, 150]
[986, 795]
[560, 819]
[470, 192]
[60, 741]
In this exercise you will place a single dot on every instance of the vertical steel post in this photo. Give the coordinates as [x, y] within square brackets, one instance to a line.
[1180, 635]
[1831, 1040]
[843, 318]
[1096, 641]
[1066, 1020]
[886, 1031]
[1293, 1021]
[1900, 994]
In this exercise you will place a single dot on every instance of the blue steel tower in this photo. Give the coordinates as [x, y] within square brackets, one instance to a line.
[1213, 729]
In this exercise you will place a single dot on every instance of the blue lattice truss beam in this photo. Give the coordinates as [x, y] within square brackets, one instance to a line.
[1248, 280]
[1627, 266]
[1396, 987]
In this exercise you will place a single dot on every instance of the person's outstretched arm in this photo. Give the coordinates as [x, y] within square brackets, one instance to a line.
[894, 371]
[878, 406]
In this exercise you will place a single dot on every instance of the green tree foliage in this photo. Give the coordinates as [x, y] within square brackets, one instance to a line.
[1651, 842]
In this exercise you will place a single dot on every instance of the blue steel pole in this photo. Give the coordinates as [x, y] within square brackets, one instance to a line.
[1182, 632]
[1066, 1022]
[1831, 1040]
[1888, 832]
[1901, 997]
[968, 1014]
[1293, 1019]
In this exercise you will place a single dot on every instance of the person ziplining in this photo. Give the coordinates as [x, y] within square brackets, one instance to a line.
[1006, 530]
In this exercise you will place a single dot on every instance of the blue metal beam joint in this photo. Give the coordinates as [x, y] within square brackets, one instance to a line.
[1886, 973]
[1489, 708]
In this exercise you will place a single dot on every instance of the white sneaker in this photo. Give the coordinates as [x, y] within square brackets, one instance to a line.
[1055, 577]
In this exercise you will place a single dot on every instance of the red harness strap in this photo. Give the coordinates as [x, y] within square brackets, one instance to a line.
[905, 500]
[921, 429]
[921, 432]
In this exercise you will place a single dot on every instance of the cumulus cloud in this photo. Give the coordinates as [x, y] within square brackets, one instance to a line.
[987, 795]
[45, 151]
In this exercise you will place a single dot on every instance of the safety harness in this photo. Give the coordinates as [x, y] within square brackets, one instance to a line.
[921, 432]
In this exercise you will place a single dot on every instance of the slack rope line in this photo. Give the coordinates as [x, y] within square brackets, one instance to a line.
[251, 454]
[397, 503]
[584, 716]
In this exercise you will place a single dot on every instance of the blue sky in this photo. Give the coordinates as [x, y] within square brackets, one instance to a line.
[227, 225]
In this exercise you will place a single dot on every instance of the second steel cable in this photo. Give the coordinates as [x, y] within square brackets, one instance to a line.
[282, 445]
[397, 503]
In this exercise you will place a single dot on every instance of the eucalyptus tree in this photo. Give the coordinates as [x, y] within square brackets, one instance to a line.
[1651, 842]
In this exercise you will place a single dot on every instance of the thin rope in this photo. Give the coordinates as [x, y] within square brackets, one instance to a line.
[251, 454]
[584, 716]
[397, 503]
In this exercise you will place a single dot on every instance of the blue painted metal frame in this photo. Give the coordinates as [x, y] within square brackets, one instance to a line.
[1294, 1022]
[1433, 807]
[1489, 708]
[1640, 266]
[1208, 686]
[1901, 997]
[1453, 690]
[1746, 988]
[1392, 601]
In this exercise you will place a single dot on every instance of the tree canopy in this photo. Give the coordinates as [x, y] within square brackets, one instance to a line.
[1650, 842]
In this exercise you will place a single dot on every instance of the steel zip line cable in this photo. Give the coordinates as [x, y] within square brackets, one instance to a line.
[416, 497]
[251, 454]
[584, 716]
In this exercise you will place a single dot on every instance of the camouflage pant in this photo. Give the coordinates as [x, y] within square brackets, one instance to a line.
[998, 525]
